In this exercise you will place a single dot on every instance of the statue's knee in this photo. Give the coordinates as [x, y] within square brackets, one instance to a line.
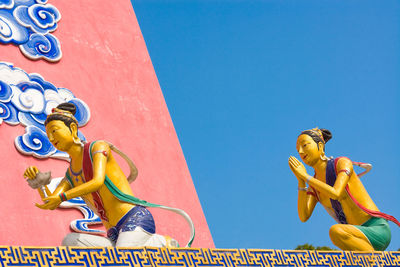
[338, 234]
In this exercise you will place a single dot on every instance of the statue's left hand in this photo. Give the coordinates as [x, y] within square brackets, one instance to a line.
[51, 203]
[297, 168]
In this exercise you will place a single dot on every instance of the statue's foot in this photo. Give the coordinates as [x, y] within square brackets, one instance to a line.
[171, 243]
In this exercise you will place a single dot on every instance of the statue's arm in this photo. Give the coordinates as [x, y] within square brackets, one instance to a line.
[62, 187]
[306, 203]
[344, 170]
[99, 172]
[53, 201]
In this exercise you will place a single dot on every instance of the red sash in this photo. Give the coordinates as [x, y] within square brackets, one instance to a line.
[372, 213]
[88, 173]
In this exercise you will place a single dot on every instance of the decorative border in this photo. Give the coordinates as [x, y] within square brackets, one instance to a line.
[144, 257]
[28, 24]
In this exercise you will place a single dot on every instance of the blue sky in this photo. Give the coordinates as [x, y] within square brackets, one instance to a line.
[243, 78]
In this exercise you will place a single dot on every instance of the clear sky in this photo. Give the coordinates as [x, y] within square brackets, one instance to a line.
[243, 78]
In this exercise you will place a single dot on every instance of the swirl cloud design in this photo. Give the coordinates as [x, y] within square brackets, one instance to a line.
[78, 225]
[6, 3]
[28, 24]
[27, 99]
[90, 218]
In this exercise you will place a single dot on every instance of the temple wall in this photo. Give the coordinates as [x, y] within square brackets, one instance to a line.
[104, 63]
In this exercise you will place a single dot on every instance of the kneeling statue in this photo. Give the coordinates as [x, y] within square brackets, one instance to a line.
[361, 226]
[95, 176]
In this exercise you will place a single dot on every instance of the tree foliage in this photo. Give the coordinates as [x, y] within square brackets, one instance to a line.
[307, 246]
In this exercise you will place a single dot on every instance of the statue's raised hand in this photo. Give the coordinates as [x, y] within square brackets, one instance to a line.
[35, 178]
[30, 172]
[297, 168]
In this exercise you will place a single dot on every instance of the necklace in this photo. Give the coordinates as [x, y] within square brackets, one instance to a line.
[76, 174]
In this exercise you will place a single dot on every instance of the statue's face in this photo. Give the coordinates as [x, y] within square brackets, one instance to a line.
[308, 150]
[59, 135]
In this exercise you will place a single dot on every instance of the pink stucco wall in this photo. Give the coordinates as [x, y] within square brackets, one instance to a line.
[106, 64]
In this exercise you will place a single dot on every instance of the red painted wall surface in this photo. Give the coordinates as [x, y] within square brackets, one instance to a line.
[106, 64]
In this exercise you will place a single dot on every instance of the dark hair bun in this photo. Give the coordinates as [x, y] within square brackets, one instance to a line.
[67, 107]
[326, 134]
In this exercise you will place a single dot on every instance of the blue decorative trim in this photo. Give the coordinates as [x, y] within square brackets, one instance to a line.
[27, 99]
[28, 24]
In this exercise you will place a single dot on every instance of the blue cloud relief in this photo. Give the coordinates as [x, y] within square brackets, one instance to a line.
[34, 142]
[28, 23]
[5, 92]
[42, 46]
[6, 4]
[40, 18]
[9, 113]
[38, 79]
[10, 30]
[27, 99]
[5, 112]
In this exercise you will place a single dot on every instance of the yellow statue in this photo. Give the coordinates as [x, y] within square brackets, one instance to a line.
[95, 176]
[338, 188]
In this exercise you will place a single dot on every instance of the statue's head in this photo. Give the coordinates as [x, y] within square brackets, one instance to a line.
[62, 127]
[311, 145]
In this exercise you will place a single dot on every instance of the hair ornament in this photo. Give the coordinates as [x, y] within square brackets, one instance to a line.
[319, 133]
[57, 111]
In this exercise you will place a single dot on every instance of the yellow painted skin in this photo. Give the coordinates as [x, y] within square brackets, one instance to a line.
[63, 138]
[345, 236]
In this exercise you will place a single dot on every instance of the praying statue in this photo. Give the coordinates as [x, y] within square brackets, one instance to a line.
[360, 225]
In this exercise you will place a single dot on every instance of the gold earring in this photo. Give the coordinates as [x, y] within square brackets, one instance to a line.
[77, 142]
